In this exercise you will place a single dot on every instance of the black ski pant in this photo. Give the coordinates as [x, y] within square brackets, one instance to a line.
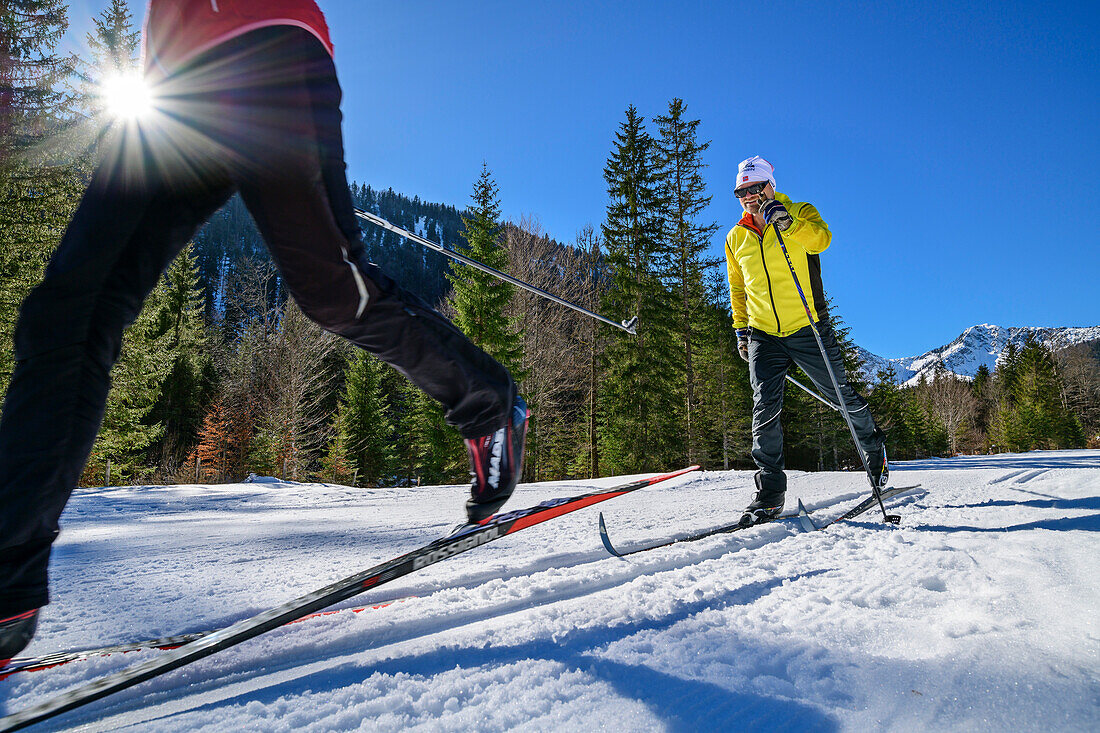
[769, 359]
[260, 115]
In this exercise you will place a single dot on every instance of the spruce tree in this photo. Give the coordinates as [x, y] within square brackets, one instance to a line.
[364, 426]
[136, 381]
[115, 42]
[1031, 413]
[480, 302]
[436, 453]
[641, 426]
[336, 464]
[683, 200]
[191, 380]
[114, 46]
[1006, 432]
[41, 173]
[886, 398]
[480, 299]
[982, 388]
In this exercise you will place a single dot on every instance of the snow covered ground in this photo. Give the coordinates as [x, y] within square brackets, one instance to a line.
[979, 612]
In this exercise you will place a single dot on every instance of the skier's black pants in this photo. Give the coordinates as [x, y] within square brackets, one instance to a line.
[260, 115]
[769, 359]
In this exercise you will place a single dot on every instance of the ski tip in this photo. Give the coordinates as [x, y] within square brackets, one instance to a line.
[607, 540]
[804, 518]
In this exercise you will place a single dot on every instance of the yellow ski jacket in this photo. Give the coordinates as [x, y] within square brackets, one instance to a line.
[762, 291]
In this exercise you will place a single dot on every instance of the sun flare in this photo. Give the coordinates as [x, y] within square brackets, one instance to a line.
[126, 96]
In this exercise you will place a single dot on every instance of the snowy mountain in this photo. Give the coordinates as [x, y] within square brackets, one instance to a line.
[977, 613]
[976, 346]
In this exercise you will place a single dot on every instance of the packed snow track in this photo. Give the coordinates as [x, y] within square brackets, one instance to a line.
[978, 612]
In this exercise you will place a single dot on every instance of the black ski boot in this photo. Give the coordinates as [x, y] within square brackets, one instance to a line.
[768, 502]
[15, 633]
[496, 463]
[877, 461]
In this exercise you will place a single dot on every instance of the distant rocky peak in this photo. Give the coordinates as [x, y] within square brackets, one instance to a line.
[978, 345]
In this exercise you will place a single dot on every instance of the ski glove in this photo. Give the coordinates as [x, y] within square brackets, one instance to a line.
[776, 213]
[743, 343]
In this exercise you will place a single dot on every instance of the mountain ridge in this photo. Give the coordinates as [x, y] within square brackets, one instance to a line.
[979, 345]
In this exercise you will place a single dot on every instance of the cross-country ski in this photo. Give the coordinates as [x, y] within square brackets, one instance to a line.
[803, 516]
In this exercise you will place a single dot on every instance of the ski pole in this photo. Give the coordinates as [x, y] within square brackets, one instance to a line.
[889, 518]
[811, 393]
[629, 325]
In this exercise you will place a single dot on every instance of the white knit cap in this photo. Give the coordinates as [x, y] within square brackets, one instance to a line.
[754, 169]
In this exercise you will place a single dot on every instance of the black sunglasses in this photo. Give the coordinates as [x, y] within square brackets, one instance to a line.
[750, 190]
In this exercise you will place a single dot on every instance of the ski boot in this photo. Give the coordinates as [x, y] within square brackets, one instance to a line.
[878, 463]
[496, 463]
[768, 502]
[15, 633]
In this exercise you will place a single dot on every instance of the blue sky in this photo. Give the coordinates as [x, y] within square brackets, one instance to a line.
[953, 148]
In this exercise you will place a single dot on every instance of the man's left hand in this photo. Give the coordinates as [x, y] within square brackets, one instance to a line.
[777, 214]
[743, 343]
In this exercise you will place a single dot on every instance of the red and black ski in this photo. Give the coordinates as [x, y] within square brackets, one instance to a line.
[56, 659]
[494, 528]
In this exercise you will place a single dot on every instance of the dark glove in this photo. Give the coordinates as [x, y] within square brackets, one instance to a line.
[777, 214]
[743, 343]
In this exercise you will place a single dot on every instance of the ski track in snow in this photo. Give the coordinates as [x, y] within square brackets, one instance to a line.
[979, 612]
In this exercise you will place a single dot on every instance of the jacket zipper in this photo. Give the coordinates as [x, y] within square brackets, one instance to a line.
[771, 297]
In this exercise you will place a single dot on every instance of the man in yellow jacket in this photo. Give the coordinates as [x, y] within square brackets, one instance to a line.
[773, 326]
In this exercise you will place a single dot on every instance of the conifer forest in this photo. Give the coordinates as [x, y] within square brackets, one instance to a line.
[222, 375]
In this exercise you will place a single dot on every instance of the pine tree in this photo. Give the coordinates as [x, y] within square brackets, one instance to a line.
[480, 299]
[683, 200]
[641, 429]
[1006, 432]
[982, 389]
[191, 380]
[137, 378]
[336, 465]
[435, 451]
[363, 422]
[114, 44]
[886, 399]
[1030, 413]
[916, 420]
[480, 302]
[41, 173]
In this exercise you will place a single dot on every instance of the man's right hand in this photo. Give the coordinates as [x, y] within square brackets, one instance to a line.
[743, 343]
[776, 213]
